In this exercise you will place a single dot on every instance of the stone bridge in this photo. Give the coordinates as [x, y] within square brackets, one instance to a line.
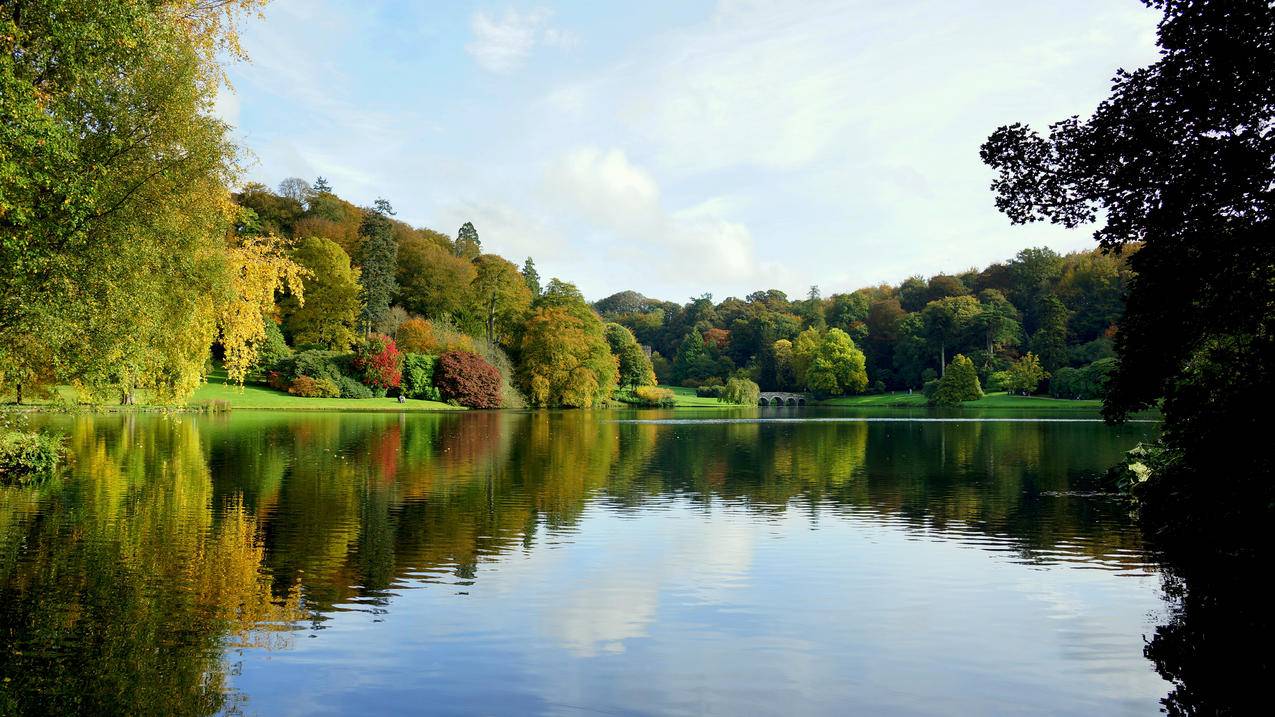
[781, 398]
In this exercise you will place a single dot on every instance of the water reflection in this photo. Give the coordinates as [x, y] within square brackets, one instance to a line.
[179, 551]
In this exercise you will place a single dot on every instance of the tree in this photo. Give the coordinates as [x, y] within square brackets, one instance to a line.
[113, 188]
[1026, 374]
[837, 366]
[259, 270]
[531, 277]
[959, 383]
[416, 336]
[468, 245]
[378, 263]
[433, 282]
[740, 391]
[997, 320]
[566, 360]
[634, 367]
[1050, 340]
[329, 316]
[945, 320]
[692, 361]
[502, 296]
[296, 189]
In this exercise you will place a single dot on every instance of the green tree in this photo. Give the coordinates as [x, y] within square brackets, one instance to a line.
[468, 245]
[502, 297]
[378, 263]
[1050, 340]
[531, 277]
[113, 200]
[740, 391]
[692, 361]
[1026, 374]
[837, 366]
[946, 320]
[566, 360]
[329, 317]
[634, 367]
[997, 320]
[433, 282]
[959, 383]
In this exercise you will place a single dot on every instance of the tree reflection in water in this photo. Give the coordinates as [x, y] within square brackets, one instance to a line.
[175, 542]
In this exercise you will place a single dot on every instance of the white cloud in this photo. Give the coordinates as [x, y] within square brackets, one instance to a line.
[503, 44]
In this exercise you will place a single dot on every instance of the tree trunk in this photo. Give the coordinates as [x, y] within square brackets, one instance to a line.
[19, 396]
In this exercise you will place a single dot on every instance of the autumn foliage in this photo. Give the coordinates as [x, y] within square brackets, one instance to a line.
[379, 363]
[468, 380]
[416, 336]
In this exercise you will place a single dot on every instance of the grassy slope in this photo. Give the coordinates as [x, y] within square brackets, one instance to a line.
[252, 397]
[686, 398]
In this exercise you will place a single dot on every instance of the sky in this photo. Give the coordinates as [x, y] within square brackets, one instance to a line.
[682, 147]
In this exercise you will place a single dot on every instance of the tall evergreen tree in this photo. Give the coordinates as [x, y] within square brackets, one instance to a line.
[468, 245]
[378, 259]
[531, 277]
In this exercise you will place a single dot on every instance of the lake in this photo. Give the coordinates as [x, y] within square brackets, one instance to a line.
[759, 561]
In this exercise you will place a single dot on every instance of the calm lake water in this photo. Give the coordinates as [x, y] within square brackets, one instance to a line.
[578, 563]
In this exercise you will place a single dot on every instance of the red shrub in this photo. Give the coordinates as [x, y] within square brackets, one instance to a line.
[467, 379]
[379, 362]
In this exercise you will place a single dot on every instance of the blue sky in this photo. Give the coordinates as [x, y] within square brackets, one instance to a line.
[681, 147]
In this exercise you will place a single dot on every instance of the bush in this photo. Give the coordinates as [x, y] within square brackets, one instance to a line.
[271, 352]
[1087, 382]
[654, 396]
[740, 391]
[308, 387]
[1000, 381]
[958, 384]
[26, 457]
[315, 364]
[378, 363]
[351, 388]
[707, 391]
[930, 388]
[468, 380]
[418, 377]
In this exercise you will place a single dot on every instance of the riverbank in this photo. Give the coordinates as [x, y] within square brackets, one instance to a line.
[991, 400]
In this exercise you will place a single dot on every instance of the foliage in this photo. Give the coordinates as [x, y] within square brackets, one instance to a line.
[1078, 383]
[378, 264]
[113, 206]
[352, 388]
[315, 363]
[634, 367]
[502, 297]
[654, 396]
[566, 360]
[1050, 340]
[468, 246]
[531, 277]
[468, 380]
[834, 366]
[418, 377]
[272, 352]
[329, 316]
[259, 269]
[378, 362]
[959, 383]
[416, 336]
[741, 391]
[28, 456]
[307, 387]
[1026, 374]
[710, 390]
[433, 282]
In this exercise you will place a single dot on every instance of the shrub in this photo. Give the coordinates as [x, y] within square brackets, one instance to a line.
[278, 380]
[315, 364]
[418, 377]
[26, 457]
[378, 363]
[930, 388]
[707, 391]
[467, 379]
[1000, 381]
[740, 391]
[1087, 382]
[654, 396]
[351, 388]
[272, 352]
[959, 383]
[309, 387]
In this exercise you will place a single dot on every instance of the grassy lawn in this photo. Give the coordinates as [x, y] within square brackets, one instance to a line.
[991, 400]
[686, 398]
[254, 397]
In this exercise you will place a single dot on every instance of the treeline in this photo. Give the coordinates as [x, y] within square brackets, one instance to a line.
[1039, 321]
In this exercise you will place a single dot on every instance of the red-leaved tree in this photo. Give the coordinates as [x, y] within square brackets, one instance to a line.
[467, 379]
[379, 362]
